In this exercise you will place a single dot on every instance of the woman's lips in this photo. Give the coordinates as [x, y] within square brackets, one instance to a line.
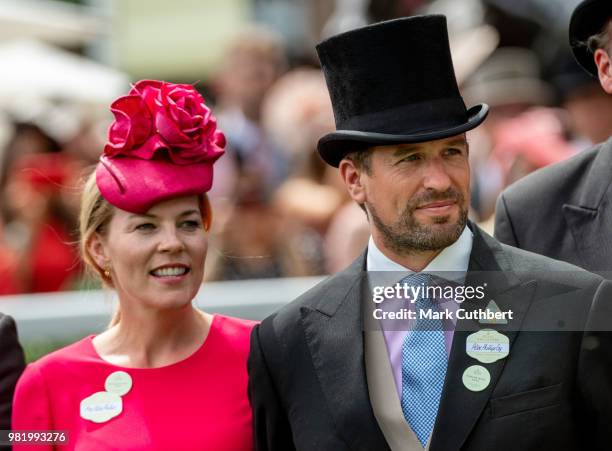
[171, 279]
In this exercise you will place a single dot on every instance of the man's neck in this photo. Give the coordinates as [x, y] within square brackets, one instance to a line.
[415, 261]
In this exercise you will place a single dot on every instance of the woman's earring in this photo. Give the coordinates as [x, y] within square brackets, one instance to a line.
[107, 273]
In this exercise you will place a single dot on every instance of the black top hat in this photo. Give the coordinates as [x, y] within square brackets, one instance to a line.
[587, 20]
[392, 82]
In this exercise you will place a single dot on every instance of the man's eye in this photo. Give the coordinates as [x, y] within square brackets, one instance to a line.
[147, 226]
[453, 151]
[413, 157]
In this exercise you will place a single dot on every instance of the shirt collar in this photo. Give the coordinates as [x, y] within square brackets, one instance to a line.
[455, 258]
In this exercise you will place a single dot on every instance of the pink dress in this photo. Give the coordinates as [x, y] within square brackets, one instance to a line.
[199, 403]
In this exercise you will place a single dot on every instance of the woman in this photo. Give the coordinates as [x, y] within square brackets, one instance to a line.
[164, 375]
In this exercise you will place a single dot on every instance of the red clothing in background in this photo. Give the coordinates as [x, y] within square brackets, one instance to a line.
[9, 283]
[54, 261]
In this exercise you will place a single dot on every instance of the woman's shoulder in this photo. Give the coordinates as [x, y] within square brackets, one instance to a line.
[67, 356]
[233, 327]
[234, 332]
[56, 367]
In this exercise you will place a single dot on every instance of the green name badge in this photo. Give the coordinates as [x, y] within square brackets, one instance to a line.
[487, 346]
[476, 378]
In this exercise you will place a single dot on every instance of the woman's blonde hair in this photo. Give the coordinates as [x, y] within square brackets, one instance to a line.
[95, 214]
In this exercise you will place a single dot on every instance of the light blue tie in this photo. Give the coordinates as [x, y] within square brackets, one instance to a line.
[424, 364]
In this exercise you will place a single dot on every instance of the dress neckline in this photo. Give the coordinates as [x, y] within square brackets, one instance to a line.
[193, 355]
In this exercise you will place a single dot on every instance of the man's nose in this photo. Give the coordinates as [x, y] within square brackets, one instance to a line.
[170, 241]
[436, 176]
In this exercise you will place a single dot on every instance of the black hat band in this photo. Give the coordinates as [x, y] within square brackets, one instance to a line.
[410, 118]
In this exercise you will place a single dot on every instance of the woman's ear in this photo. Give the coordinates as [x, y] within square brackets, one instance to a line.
[96, 248]
[352, 178]
[604, 69]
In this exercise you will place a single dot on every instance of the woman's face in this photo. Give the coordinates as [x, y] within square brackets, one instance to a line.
[157, 259]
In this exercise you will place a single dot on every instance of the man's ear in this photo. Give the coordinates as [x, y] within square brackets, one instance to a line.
[352, 178]
[604, 69]
[96, 248]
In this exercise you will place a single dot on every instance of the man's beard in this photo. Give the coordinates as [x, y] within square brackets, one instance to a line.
[408, 236]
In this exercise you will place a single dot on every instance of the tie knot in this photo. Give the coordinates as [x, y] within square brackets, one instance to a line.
[418, 279]
[420, 283]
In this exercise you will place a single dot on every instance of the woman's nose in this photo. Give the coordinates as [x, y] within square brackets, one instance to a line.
[171, 242]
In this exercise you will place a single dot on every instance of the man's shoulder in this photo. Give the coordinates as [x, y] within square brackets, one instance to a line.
[556, 181]
[531, 266]
[8, 331]
[6, 322]
[322, 296]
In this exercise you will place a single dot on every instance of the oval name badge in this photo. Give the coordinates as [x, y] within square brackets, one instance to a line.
[476, 378]
[101, 407]
[118, 382]
[487, 346]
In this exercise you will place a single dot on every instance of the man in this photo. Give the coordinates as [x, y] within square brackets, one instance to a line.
[322, 378]
[11, 367]
[564, 211]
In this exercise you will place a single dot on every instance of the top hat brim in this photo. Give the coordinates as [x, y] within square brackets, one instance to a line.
[334, 146]
[587, 20]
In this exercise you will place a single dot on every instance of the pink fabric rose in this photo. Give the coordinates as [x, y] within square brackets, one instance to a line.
[132, 127]
[158, 115]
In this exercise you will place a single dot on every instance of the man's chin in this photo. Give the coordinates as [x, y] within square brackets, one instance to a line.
[439, 221]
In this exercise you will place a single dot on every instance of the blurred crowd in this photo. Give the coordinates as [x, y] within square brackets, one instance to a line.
[278, 210]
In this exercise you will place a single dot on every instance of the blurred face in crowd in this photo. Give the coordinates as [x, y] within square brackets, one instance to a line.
[157, 259]
[590, 112]
[416, 195]
[247, 77]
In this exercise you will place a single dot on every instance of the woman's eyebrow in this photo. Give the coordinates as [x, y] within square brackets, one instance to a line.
[140, 216]
[148, 215]
[189, 212]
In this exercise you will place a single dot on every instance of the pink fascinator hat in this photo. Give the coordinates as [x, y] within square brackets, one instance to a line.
[162, 144]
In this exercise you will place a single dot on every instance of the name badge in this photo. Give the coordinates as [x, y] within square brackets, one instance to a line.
[101, 407]
[105, 405]
[487, 346]
[118, 382]
[476, 378]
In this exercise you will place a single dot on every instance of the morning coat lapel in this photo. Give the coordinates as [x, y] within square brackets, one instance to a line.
[460, 408]
[589, 218]
[334, 334]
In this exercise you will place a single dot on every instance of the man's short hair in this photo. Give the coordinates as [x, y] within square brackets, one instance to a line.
[601, 40]
[361, 159]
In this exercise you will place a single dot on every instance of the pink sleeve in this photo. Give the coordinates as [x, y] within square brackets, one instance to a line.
[31, 410]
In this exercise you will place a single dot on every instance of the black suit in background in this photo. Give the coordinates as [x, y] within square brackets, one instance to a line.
[563, 211]
[11, 367]
[308, 387]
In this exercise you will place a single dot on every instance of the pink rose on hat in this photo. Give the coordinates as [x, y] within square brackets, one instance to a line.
[159, 115]
[162, 145]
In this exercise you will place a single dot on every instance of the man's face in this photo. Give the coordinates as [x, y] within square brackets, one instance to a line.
[603, 61]
[416, 195]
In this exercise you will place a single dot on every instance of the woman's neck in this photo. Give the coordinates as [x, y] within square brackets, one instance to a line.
[154, 338]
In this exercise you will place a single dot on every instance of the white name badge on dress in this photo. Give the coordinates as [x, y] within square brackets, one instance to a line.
[487, 346]
[101, 407]
[118, 382]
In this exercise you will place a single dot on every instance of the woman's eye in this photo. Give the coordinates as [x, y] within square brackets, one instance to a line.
[190, 224]
[145, 227]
